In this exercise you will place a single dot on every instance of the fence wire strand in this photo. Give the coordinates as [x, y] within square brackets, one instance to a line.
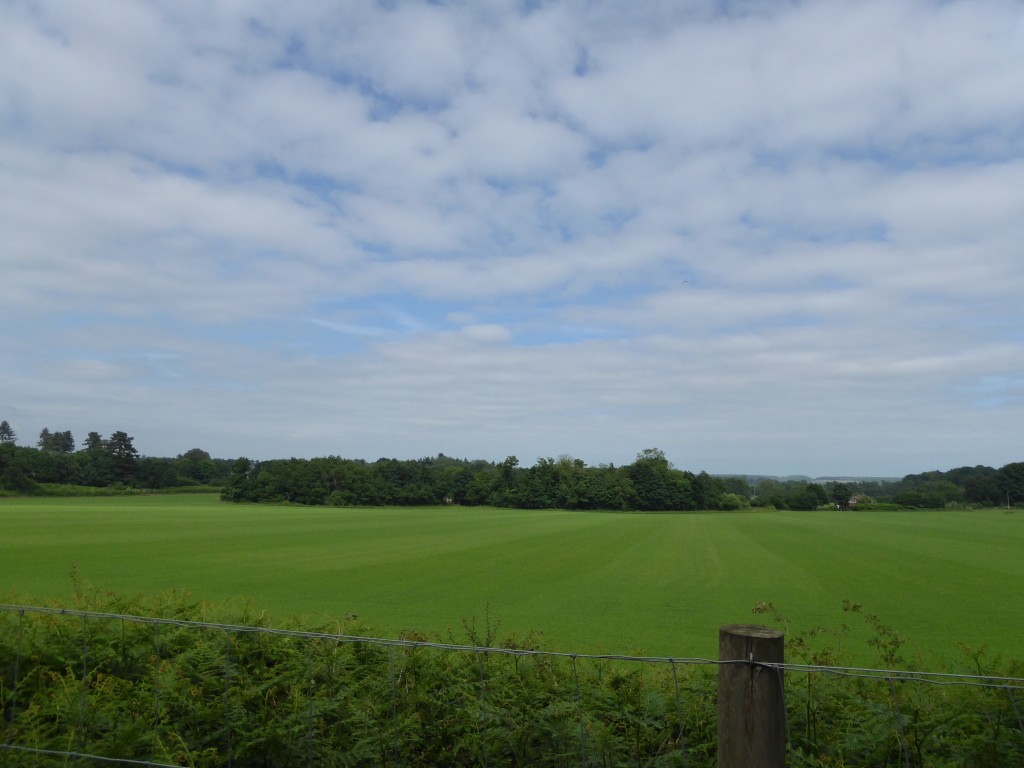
[70, 754]
[898, 675]
[904, 675]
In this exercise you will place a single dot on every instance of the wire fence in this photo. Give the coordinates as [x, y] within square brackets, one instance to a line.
[91, 688]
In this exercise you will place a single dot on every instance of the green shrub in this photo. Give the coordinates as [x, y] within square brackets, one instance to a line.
[733, 501]
[192, 692]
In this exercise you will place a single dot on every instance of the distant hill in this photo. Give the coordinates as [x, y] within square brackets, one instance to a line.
[754, 479]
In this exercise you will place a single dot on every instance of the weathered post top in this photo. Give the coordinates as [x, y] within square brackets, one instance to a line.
[752, 630]
[751, 701]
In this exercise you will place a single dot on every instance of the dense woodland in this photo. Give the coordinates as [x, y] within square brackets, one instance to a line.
[55, 466]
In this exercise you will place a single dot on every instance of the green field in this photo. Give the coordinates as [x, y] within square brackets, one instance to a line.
[658, 584]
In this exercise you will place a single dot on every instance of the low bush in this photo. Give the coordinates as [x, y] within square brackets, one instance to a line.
[215, 685]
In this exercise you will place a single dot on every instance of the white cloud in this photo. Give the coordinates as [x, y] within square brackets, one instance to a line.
[488, 229]
[487, 333]
[413, 51]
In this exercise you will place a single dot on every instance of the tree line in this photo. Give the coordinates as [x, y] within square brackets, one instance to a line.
[101, 462]
[650, 483]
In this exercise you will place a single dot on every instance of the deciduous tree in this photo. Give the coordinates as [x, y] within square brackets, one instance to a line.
[840, 494]
[196, 466]
[659, 486]
[1011, 481]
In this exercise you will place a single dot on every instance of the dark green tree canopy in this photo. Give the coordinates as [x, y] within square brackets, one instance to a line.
[94, 442]
[56, 442]
[650, 483]
[1010, 480]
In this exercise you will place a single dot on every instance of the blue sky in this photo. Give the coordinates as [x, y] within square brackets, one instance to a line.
[765, 237]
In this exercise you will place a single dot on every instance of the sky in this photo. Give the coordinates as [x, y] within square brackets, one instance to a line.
[779, 237]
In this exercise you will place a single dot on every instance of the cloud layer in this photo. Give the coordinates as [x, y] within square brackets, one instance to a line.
[764, 237]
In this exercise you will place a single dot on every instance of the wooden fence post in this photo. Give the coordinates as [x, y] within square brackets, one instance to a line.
[751, 704]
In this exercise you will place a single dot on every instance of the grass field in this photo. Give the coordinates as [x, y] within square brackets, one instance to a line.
[591, 582]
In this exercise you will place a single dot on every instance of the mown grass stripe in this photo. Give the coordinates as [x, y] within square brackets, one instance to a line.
[655, 584]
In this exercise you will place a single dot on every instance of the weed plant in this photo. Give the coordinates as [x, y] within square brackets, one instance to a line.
[218, 687]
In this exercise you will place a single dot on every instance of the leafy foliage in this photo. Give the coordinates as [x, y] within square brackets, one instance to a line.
[191, 692]
[203, 695]
[564, 483]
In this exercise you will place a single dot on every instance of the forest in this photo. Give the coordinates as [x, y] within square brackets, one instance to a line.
[54, 466]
